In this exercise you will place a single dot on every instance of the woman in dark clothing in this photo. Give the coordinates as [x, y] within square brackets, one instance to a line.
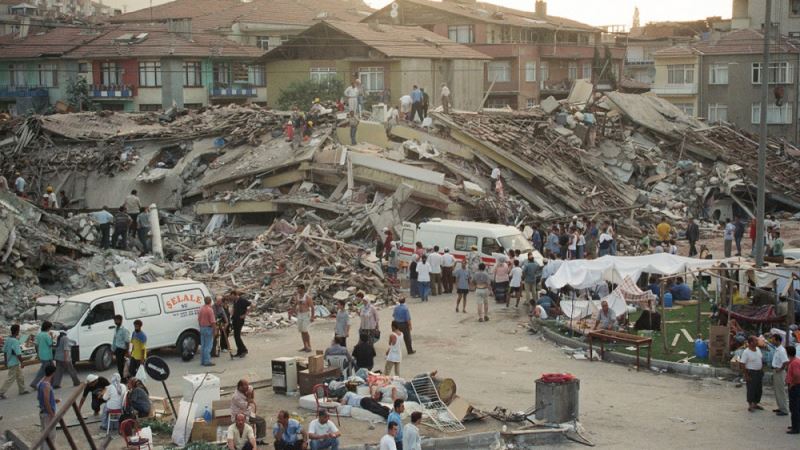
[364, 353]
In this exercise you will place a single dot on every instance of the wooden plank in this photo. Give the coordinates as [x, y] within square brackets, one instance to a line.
[675, 339]
[687, 335]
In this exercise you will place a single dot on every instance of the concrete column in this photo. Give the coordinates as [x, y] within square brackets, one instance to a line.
[171, 82]
[155, 231]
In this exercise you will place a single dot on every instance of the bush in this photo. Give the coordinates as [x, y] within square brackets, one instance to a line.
[303, 93]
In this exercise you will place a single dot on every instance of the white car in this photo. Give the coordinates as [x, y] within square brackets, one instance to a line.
[791, 254]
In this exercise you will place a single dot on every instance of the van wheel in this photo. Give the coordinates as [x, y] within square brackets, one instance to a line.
[103, 358]
[188, 342]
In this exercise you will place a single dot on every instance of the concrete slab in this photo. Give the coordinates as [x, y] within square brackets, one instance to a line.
[368, 131]
[240, 207]
[550, 104]
[442, 145]
[396, 168]
[580, 93]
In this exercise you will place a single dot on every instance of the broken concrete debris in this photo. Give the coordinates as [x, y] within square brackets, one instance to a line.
[243, 208]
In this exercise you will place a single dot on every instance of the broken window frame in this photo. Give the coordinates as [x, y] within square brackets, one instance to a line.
[150, 74]
[502, 68]
[780, 72]
[463, 34]
[680, 74]
[372, 79]
[192, 74]
[110, 74]
[718, 74]
[776, 115]
[48, 75]
[717, 112]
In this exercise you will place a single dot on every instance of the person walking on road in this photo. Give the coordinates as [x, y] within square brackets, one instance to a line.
[402, 316]
[44, 349]
[482, 290]
[47, 403]
[206, 320]
[793, 383]
[752, 369]
[13, 352]
[63, 359]
[463, 278]
[370, 323]
[240, 307]
[394, 354]
[448, 265]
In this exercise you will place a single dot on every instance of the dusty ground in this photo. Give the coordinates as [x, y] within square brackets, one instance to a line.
[620, 408]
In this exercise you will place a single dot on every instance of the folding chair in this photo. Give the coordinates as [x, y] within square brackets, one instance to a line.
[321, 394]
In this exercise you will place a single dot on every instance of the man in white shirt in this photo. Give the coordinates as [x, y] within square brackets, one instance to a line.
[448, 264]
[515, 283]
[322, 433]
[780, 361]
[424, 278]
[411, 437]
[495, 173]
[351, 97]
[435, 261]
[751, 364]
[387, 441]
[241, 435]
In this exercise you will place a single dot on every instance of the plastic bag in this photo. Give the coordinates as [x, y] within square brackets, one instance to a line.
[141, 374]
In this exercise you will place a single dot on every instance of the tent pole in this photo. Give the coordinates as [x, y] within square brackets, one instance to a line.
[662, 288]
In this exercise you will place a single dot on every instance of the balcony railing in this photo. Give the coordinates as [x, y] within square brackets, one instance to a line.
[222, 90]
[639, 62]
[675, 89]
[100, 91]
[23, 91]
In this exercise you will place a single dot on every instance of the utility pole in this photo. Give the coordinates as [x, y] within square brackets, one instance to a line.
[762, 140]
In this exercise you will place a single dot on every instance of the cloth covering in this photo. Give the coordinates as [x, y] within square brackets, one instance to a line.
[618, 300]
[582, 273]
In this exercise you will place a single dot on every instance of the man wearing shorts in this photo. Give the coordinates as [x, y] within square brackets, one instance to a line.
[515, 283]
[482, 291]
[303, 309]
[462, 277]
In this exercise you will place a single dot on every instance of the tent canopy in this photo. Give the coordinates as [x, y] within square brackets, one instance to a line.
[583, 273]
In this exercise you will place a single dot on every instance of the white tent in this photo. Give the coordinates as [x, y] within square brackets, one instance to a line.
[584, 273]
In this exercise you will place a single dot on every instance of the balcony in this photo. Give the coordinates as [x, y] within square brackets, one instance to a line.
[676, 89]
[225, 91]
[639, 62]
[100, 92]
[23, 91]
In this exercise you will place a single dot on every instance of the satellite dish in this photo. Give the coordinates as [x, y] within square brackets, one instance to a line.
[393, 14]
[395, 5]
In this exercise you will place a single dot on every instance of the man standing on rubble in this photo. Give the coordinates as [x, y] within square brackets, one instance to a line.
[728, 232]
[435, 262]
[133, 205]
[351, 96]
[692, 235]
[445, 98]
[552, 242]
[738, 234]
[416, 104]
[448, 264]
[103, 219]
[426, 102]
[19, 185]
[353, 122]
[121, 223]
[143, 229]
[303, 309]
[663, 230]
[240, 307]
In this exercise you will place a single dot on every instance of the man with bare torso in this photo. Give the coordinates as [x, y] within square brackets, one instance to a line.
[303, 309]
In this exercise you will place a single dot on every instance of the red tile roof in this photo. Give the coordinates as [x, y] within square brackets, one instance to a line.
[743, 42]
[394, 41]
[54, 42]
[677, 51]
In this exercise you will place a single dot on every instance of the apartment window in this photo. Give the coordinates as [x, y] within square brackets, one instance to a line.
[795, 7]
[544, 71]
[680, 74]
[587, 71]
[256, 75]
[222, 73]
[461, 34]
[499, 71]
[776, 115]
[572, 71]
[285, 38]
[531, 103]
[530, 71]
[16, 75]
[109, 74]
[48, 75]
[149, 107]
[150, 73]
[371, 78]
[718, 74]
[779, 73]
[687, 108]
[322, 74]
[192, 74]
[496, 103]
[262, 42]
[717, 113]
[83, 67]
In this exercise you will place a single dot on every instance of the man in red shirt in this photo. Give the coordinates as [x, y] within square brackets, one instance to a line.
[793, 382]
[206, 320]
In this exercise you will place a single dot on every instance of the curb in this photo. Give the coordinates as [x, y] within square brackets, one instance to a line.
[621, 358]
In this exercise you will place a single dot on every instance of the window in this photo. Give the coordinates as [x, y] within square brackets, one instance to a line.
[572, 71]
[322, 74]
[256, 75]
[779, 73]
[48, 75]
[262, 42]
[192, 74]
[149, 107]
[544, 71]
[530, 72]
[795, 7]
[465, 243]
[371, 78]
[499, 71]
[150, 73]
[498, 103]
[83, 67]
[461, 34]
[285, 39]
[490, 245]
[102, 312]
[136, 308]
[16, 75]
[775, 114]
[222, 73]
[531, 103]
[718, 74]
[687, 108]
[109, 74]
[587, 71]
[680, 74]
[717, 113]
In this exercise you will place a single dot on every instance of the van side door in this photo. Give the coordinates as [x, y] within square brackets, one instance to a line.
[147, 308]
[408, 239]
[97, 327]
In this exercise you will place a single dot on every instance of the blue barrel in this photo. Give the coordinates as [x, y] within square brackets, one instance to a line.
[701, 349]
[668, 300]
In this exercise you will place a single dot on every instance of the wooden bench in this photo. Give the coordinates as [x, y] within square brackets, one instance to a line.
[615, 336]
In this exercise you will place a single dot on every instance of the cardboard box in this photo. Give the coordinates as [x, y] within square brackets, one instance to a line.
[221, 408]
[316, 364]
[208, 432]
[718, 339]
[306, 380]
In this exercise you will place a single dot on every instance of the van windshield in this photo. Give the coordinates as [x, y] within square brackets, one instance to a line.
[515, 242]
[67, 315]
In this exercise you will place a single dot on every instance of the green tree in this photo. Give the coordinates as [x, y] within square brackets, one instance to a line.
[303, 93]
[78, 94]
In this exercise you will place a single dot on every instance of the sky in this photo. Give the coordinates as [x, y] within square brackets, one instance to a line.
[592, 12]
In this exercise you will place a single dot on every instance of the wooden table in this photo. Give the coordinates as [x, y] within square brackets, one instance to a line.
[609, 336]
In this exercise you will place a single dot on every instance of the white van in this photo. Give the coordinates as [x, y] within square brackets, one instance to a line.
[168, 310]
[491, 239]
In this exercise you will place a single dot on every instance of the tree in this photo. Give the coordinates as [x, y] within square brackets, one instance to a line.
[78, 94]
[303, 93]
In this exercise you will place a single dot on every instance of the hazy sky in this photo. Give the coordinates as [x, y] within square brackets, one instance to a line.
[593, 12]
